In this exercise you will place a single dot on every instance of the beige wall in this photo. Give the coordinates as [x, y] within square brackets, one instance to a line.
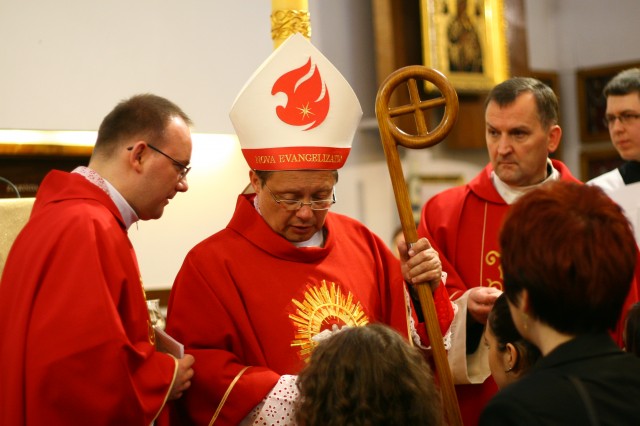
[65, 63]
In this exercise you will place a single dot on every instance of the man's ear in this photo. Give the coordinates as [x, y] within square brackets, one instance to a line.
[255, 181]
[136, 154]
[555, 134]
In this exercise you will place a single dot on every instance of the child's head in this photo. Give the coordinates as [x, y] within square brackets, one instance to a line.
[367, 376]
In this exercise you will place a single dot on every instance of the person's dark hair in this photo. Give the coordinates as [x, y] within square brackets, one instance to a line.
[505, 94]
[145, 116]
[264, 175]
[574, 252]
[625, 82]
[501, 324]
[370, 376]
[632, 330]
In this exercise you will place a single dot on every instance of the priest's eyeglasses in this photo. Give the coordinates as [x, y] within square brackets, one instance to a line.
[183, 168]
[294, 205]
[624, 118]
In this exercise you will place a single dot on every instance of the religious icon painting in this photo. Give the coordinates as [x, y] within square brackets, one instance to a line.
[466, 41]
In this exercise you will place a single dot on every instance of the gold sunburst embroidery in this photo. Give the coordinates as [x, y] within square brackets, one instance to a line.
[323, 306]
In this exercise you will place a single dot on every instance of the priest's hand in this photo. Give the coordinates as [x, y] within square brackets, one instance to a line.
[420, 263]
[183, 377]
[480, 302]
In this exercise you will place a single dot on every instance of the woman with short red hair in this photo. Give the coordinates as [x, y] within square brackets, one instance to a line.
[568, 256]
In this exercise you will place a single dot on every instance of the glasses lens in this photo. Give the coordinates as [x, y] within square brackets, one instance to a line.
[321, 204]
[294, 205]
[290, 205]
[626, 118]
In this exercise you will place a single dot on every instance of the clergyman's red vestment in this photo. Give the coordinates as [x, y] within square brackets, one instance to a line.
[75, 338]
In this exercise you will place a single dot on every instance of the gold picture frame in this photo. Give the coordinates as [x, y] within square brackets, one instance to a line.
[467, 44]
[26, 156]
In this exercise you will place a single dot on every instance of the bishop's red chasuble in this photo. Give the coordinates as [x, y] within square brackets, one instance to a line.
[247, 302]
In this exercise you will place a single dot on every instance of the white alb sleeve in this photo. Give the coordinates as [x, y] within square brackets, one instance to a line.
[466, 368]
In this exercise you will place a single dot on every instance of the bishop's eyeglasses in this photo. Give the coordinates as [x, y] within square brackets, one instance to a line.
[183, 168]
[294, 205]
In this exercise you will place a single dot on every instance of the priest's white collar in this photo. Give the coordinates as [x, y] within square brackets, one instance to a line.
[510, 194]
[126, 211]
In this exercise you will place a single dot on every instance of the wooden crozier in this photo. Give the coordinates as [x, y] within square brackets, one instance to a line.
[392, 136]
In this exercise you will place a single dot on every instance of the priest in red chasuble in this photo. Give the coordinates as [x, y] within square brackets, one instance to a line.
[76, 342]
[252, 301]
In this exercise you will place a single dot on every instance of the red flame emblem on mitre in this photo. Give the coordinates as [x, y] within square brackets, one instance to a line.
[308, 97]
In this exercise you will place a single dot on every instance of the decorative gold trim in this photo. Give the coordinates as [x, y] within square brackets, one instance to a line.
[492, 258]
[226, 394]
[484, 230]
[166, 397]
[285, 23]
[44, 149]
